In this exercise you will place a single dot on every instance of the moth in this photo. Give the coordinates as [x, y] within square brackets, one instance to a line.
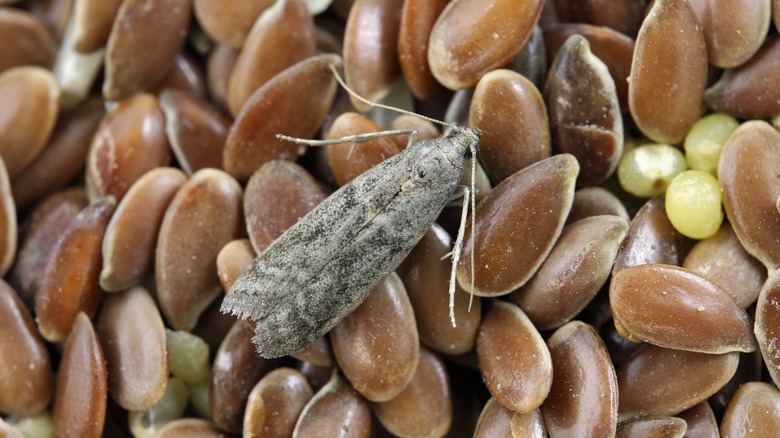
[324, 266]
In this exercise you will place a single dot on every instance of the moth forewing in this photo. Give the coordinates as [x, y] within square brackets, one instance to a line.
[324, 266]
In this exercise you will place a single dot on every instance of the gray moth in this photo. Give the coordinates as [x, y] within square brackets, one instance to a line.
[324, 266]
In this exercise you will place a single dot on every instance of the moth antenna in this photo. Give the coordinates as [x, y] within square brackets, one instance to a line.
[456, 251]
[357, 138]
[354, 94]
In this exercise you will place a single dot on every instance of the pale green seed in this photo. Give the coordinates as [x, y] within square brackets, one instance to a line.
[646, 171]
[37, 426]
[170, 407]
[705, 140]
[693, 204]
[188, 356]
[199, 398]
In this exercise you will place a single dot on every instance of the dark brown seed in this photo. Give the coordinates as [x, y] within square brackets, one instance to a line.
[348, 160]
[70, 280]
[218, 70]
[585, 118]
[196, 130]
[232, 260]
[275, 403]
[668, 75]
[130, 141]
[424, 407]
[282, 36]
[426, 272]
[755, 408]
[701, 421]
[767, 327]
[417, 19]
[747, 171]
[186, 75]
[531, 62]
[336, 410]
[25, 367]
[142, 44]
[595, 201]
[82, 384]
[722, 259]
[658, 381]
[237, 368]
[276, 109]
[318, 353]
[509, 144]
[131, 237]
[277, 196]
[517, 225]
[494, 421]
[465, 45]
[573, 273]
[622, 15]
[507, 342]
[132, 335]
[377, 345]
[661, 427]
[24, 40]
[203, 216]
[651, 239]
[92, 22]
[229, 22]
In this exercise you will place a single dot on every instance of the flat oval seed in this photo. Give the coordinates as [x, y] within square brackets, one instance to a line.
[131, 236]
[700, 421]
[130, 141]
[573, 273]
[661, 427]
[595, 201]
[651, 239]
[25, 91]
[370, 48]
[668, 75]
[282, 36]
[377, 345]
[767, 327]
[82, 383]
[237, 368]
[675, 308]
[142, 44]
[527, 210]
[471, 38]
[723, 259]
[755, 407]
[658, 381]
[275, 403]
[426, 272]
[748, 177]
[196, 130]
[203, 216]
[583, 399]
[336, 410]
[232, 260]
[276, 109]
[417, 20]
[229, 21]
[508, 342]
[25, 367]
[277, 196]
[509, 144]
[494, 421]
[69, 282]
[348, 160]
[92, 22]
[424, 407]
[17, 26]
[132, 335]
[585, 118]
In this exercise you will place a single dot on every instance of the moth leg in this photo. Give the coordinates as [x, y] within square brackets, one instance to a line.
[457, 250]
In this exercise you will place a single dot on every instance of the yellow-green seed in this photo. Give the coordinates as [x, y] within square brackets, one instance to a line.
[199, 398]
[38, 426]
[693, 204]
[188, 356]
[170, 407]
[646, 171]
[705, 140]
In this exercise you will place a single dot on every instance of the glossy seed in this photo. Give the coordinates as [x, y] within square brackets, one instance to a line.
[82, 383]
[668, 75]
[509, 144]
[130, 141]
[417, 19]
[275, 109]
[755, 408]
[651, 239]
[573, 273]
[18, 26]
[527, 210]
[203, 216]
[131, 236]
[25, 367]
[229, 22]
[275, 403]
[335, 410]
[465, 45]
[282, 36]
[91, 23]
[700, 421]
[132, 335]
[507, 341]
[186, 75]
[585, 118]
[8, 222]
[767, 327]
[583, 399]
[595, 201]
[232, 260]
[377, 346]
[666, 427]
[657, 381]
[623, 15]
[675, 308]
[69, 282]
[750, 187]
[277, 196]
[494, 420]
[348, 160]
[529, 425]
[318, 353]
